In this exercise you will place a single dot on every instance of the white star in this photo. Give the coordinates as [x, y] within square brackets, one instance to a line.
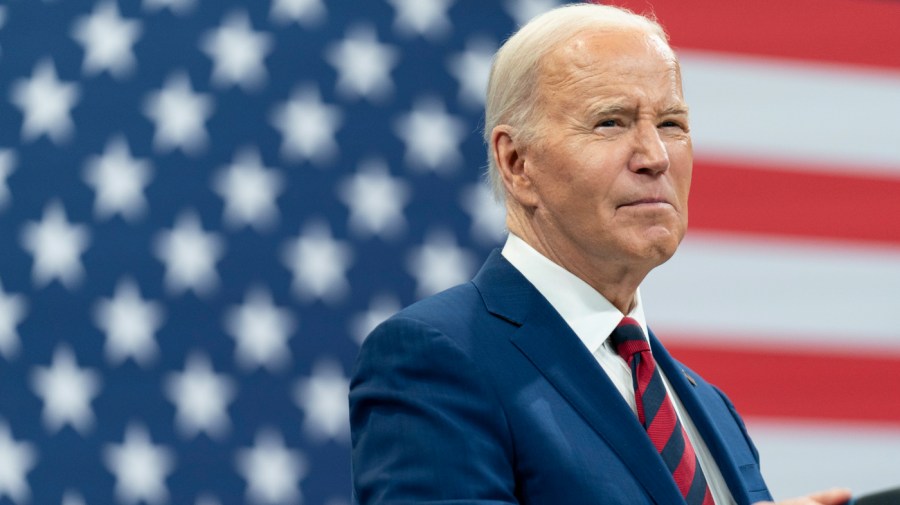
[179, 115]
[16, 460]
[319, 264]
[56, 246]
[180, 7]
[190, 255]
[422, 17]
[523, 10]
[439, 264]
[375, 200]
[107, 39]
[272, 471]
[7, 166]
[261, 330]
[249, 190]
[323, 399]
[207, 500]
[12, 312]
[46, 103]
[237, 52]
[307, 126]
[72, 497]
[432, 136]
[201, 398]
[118, 180]
[140, 467]
[305, 12]
[67, 392]
[381, 307]
[488, 216]
[363, 64]
[129, 323]
[472, 68]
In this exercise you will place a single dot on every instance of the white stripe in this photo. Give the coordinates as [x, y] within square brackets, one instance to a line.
[798, 458]
[828, 116]
[721, 287]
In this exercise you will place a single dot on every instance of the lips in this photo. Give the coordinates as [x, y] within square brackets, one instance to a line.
[651, 201]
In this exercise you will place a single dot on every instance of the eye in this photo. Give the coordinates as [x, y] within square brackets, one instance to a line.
[673, 124]
[607, 123]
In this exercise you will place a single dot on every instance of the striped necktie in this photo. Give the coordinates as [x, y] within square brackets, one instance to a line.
[657, 414]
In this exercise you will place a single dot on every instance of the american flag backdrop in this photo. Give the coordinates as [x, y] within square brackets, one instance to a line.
[206, 205]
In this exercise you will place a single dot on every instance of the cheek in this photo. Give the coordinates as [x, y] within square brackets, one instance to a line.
[681, 170]
[684, 182]
[555, 177]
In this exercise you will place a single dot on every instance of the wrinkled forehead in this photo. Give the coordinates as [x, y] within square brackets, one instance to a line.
[600, 48]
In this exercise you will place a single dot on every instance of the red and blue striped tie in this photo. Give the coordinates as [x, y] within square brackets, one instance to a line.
[657, 414]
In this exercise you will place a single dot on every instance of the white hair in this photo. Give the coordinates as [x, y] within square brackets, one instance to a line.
[512, 87]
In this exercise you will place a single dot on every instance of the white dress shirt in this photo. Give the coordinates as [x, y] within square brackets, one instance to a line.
[593, 318]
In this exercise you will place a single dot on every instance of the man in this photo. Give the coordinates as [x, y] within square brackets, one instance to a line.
[518, 387]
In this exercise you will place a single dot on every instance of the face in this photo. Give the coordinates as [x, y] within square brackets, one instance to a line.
[610, 169]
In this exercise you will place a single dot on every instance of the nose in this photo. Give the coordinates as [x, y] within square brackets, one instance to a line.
[649, 155]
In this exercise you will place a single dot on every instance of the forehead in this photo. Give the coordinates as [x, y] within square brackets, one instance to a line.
[604, 44]
[597, 60]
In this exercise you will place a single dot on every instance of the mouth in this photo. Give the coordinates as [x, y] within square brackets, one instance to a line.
[647, 202]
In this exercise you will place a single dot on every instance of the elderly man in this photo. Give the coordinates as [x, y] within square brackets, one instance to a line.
[539, 382]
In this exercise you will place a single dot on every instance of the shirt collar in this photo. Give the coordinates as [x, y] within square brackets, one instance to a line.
[591, 316]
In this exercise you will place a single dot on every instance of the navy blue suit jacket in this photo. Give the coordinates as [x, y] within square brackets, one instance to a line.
[483, 395]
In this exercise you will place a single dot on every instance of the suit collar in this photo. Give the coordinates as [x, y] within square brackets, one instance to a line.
[506, 293]
[590, 315]
[686, 390]
[551, 346]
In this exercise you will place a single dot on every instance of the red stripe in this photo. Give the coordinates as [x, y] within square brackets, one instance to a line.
[737, 198]
[684, 472]
[795, 384]
[862, 32]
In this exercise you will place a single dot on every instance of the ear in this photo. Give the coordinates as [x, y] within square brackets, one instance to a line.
[512, 165]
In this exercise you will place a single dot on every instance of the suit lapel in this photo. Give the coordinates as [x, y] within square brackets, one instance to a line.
[702, 421]
[554, 349]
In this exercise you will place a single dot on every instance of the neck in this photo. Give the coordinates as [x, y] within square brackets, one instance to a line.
[616, 281]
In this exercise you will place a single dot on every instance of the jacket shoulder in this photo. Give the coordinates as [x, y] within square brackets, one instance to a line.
[444, 307]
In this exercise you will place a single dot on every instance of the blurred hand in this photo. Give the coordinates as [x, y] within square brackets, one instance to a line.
[835, 496]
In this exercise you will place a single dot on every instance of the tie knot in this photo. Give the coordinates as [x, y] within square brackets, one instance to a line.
[628, 339]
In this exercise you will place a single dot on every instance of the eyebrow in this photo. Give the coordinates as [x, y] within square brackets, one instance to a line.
[676, 110]
[604, 109]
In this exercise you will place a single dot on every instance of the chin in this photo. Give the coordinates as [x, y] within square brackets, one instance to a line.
[664, 255]
[658, 248]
